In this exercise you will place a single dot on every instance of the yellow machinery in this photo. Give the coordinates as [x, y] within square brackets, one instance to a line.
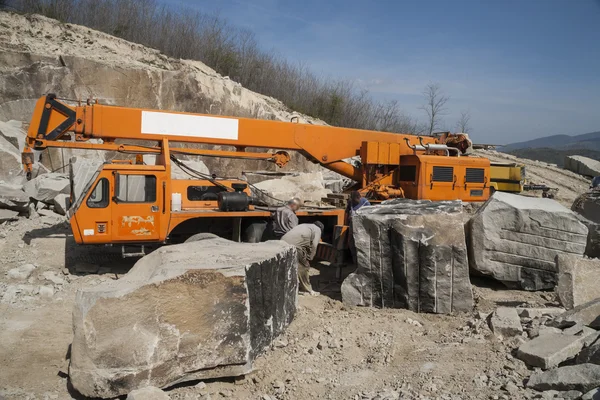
[507, 177]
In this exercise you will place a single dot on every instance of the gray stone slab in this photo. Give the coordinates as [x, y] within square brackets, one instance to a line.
[411, 254]
[578, 280]
[515, 239]
[582, 377]
[506, 322]
[549, 350]
[583, 165]
[13, 197]
[585, 314]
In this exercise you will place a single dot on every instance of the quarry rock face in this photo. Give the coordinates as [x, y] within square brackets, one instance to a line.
[192, 311]
[583, 165]
[578, 280]
[95, 65]
[515, 239]
[411, 254]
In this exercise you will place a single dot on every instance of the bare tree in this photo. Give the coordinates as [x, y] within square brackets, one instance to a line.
[462, 125]
[434, 106]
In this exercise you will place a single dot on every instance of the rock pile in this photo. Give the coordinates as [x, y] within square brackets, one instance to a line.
[411, 254]
[191, 311]
[515, 240]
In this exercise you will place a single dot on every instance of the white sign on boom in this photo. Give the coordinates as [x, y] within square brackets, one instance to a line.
[161, 123]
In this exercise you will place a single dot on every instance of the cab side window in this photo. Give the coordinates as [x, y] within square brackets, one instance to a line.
[136, 188]
[99, 196]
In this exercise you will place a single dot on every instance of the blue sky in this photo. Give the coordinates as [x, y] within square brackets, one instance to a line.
[524, 69]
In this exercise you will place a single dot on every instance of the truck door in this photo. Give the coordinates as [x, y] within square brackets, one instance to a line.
[135, 208]
[92, 214]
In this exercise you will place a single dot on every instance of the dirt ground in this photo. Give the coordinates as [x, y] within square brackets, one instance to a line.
[329, 351]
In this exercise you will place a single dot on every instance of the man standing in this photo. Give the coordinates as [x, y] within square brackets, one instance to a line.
[306, 238]
[285, 219]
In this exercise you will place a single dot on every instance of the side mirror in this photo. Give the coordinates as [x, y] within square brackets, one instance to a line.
[117, 186]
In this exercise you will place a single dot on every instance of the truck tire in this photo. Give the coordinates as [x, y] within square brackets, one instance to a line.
[254, 232]
[201, 236]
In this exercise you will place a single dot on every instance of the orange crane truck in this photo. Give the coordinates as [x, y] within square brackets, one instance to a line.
[130, 203]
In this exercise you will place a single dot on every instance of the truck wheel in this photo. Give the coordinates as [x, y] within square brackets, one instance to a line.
[254, 232]
[201, 236]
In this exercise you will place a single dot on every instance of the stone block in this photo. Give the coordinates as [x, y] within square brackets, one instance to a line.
[515, 239]
[191, 311]
[13, 197]
[8, 215]
[578, 280]
[411, 254]
[506, 322]
[587, 314]
[539, 312]
[46, 187]
[582, 377]
[61, 204]
[583, 165]
[549, 350]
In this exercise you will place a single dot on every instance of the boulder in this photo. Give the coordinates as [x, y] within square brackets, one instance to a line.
[308, 187]
[592, 249]
[548, 350]
[13, 132]
[506, 322]
[191, 311]
[582, 165]
[515, 239]
[13, 197]
[46, 187]
[578, 280]
[593, 394]
[587, 314]
[62, 204]
[148, 393]
[411, 254]
[582, 377]
[23, 272]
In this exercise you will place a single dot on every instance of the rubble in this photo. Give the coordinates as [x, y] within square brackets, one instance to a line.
[506, 322]
[590, 354]
[515, 239]
[184, 312]
[148, 393]
[411, 254]
[582, 377]
[578, 280]
[587, 314]
[583, 165]
[22, 273]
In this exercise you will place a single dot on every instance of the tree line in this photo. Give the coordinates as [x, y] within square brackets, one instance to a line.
[236, 53]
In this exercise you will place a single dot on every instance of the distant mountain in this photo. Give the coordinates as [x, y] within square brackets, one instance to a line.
[587, 141]
[553, 156]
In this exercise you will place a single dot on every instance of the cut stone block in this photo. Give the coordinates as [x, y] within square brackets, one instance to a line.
[583, 165]
[585, 314]
[582, 377]
[539, 312]
[46, 187]
[411, 254]
[548, 350]
[578, 280]
[8, 215]
[61, 204]
[191, 311]
[515, 239]
[506, 322]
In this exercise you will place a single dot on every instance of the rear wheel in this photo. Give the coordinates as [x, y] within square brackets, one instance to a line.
[201, 236]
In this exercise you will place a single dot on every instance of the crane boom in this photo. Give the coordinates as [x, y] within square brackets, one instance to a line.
[53, 119]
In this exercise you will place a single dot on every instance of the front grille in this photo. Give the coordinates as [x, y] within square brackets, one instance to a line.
[475, 175]
[443, 174]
